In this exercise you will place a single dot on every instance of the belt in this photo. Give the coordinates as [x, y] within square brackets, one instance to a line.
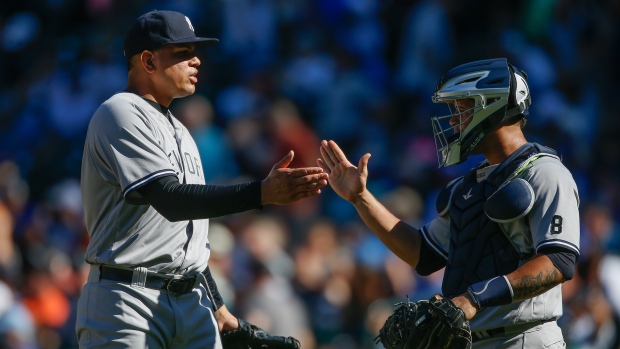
[174, 286]
[506, 330]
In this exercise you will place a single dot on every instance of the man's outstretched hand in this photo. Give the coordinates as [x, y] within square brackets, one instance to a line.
[347, 180]
[285, 185]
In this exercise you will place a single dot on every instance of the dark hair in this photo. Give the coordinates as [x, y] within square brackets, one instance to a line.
[129, 63]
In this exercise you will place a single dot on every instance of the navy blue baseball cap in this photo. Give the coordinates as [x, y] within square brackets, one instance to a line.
[158, 28]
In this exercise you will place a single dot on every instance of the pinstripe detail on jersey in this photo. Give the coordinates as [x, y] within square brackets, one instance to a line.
[140, 182]
[435, 247]
[558, 243]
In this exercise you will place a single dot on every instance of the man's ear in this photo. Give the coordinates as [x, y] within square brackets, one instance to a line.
[147, 59]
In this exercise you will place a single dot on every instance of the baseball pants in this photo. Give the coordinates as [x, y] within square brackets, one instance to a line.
[545, 336]
[113, 315]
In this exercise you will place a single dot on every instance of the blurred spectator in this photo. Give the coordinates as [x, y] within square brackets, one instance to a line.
[222, 242]
[218, 158]
[17, 330]
[253, 148]
[600, 233]
[249, 29]
[345, 102]
[263, 306]
[308, 72]
[324, 274]
[595, 327]
[425, 48]
[610, 296]
[262, 250]
[48, 304]
[14, 191]
[375, 317]
[265, 239]
[288, 131]
[67, 232]
[10, 255]
[19, 30]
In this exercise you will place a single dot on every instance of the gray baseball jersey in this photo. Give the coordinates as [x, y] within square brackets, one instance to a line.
[555, 196]
[130, 143]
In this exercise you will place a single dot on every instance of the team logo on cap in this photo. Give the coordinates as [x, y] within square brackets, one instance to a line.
[189, 23]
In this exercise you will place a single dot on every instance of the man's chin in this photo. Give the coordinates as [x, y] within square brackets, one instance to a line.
[188, 91]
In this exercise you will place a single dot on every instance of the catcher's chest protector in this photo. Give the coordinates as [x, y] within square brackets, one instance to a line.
[479, 249]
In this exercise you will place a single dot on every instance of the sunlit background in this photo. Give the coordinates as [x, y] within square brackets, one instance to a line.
[286, 74]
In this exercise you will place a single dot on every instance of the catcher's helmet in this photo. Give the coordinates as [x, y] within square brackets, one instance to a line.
[499, 91]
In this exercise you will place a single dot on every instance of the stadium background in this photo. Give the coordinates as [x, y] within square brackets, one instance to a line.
[286, 74]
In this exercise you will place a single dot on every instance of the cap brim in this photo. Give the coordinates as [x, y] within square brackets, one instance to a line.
[197, 41]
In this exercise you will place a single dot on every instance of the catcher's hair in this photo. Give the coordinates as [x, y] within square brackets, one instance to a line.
[520, 118]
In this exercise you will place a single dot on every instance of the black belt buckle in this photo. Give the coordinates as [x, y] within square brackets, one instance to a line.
[178, 287]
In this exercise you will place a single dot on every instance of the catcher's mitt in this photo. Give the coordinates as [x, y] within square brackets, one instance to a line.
[436, 323]
[249, 336]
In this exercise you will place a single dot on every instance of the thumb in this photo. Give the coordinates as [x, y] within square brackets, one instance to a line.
[363, 164]
[286, 160]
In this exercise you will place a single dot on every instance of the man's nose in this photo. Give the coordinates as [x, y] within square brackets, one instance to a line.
[455, 120]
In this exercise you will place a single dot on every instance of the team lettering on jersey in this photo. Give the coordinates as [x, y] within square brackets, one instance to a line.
[191, 163]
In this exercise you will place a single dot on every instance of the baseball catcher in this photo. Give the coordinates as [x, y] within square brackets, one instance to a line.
[506, 232]
[436, 323]
[249, 336]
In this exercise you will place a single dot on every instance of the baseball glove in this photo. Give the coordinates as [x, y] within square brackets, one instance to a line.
[433, 324]
[249, 336]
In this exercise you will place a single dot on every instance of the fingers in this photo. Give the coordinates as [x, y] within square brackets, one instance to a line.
[323, 165]
[328, 153]
[332, 154]
[290, 195]
[303, 171]
[305, 194]
[327, 160]
[363, 164]
[286, 160]
[307, 186]
[336, 152]
[311, 182]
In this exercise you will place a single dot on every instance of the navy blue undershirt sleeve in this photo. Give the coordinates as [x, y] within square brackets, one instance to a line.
[563, 259]
[180, 202]
[430, 261]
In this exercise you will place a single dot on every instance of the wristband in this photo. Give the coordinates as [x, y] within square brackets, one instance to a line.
[491, 293]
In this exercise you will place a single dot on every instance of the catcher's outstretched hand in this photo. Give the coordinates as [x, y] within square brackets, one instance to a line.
[347, 180]
[249, 336]
[436, 323]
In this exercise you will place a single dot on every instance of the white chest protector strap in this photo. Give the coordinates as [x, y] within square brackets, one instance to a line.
[515, 197]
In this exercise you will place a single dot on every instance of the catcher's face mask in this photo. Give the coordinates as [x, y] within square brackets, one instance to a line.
[480, 96]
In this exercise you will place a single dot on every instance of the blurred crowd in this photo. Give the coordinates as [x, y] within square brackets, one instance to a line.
[286, 74]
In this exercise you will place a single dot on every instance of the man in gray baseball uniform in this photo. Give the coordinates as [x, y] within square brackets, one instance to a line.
[507, 232]
[147, 205]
